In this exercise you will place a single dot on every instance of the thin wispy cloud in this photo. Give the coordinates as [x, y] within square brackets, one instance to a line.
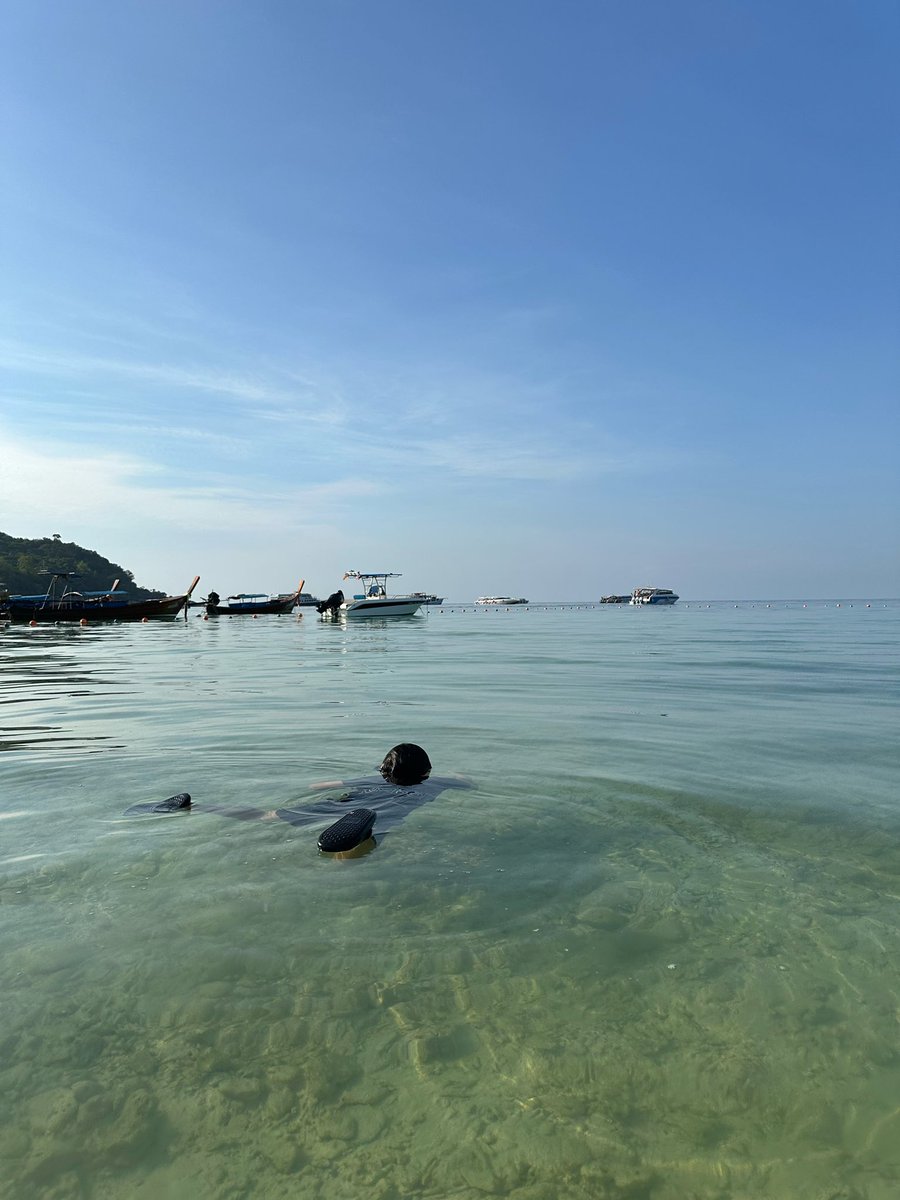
[336, 425]
[41, 484]
[531, 462]
[472, 457]
[214, 382]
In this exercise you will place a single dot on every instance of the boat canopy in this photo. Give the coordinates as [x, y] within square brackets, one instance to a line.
[112, 597]
[374, 582]
[372, 574]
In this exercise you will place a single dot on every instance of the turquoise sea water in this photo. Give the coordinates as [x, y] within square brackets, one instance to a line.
[653, 955]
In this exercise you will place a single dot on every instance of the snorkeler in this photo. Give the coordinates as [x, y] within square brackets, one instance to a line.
[404, 783]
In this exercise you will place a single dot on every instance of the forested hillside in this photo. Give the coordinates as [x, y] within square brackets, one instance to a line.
[25, 561]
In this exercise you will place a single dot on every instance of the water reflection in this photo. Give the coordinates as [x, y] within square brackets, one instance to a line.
[47, 738]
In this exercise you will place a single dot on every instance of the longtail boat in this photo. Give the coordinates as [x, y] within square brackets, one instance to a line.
[252, 603]
[63, 603]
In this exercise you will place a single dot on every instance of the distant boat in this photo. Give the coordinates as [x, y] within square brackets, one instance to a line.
[427, 598]
[615, 599]
[62, 603]
[252, 604]
[646, 595]
[501, 600]
[304, 600]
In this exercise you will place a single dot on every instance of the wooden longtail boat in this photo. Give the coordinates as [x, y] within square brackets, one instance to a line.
[252, 603]
[62, 603]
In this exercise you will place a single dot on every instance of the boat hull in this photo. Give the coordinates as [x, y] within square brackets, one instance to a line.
[381, 606]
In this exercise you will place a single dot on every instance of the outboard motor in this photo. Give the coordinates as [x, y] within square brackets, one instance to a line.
[332, 604]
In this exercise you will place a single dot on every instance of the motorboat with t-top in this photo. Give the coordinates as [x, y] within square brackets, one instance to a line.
[648, 595]
[501, 600]
[373, 600]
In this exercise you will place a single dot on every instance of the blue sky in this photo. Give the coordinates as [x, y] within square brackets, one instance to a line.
[542, 299]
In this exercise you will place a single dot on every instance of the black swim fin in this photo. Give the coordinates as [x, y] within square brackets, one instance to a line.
[352, 829]
[177, 803]
[174, 803]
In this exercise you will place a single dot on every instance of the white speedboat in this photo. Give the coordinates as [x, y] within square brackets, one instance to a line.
[374, 600]
[427, 598]
[648, 595]
[501, 600]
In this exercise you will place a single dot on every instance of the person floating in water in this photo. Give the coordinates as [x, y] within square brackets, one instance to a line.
[404, 784]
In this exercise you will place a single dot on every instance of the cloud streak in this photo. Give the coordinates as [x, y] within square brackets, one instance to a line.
[394, 432]
[212, 382]
[44, 485]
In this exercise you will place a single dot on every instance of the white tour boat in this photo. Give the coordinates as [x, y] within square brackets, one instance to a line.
[647, 595]
[374, 600]
[501, 600]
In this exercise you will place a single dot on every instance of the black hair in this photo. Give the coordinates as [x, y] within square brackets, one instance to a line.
[406, 764]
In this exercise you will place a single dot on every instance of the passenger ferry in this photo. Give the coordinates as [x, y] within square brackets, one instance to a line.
[648, 595]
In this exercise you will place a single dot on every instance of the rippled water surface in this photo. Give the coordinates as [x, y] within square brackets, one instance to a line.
[652, 955]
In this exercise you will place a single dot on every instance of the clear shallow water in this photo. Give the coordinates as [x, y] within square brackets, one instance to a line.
[653, 955]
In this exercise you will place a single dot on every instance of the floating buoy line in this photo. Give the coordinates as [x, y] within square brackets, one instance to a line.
[84, 622]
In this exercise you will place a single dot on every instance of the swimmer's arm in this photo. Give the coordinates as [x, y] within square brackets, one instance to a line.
[330, 783]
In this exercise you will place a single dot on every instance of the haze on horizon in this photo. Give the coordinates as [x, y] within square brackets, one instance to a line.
[513, 298]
